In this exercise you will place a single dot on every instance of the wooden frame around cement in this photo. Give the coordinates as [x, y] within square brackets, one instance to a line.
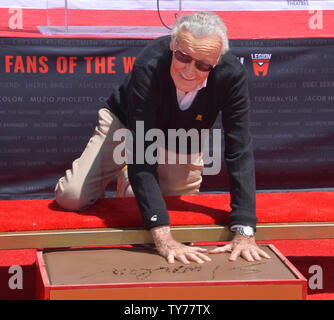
[190, 233]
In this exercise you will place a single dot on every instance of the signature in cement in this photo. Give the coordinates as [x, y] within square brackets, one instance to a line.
[145, 273]
[248, 268]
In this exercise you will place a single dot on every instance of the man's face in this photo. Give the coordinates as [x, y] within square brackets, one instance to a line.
[187, 76]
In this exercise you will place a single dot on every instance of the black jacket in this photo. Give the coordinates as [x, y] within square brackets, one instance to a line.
[148, 94]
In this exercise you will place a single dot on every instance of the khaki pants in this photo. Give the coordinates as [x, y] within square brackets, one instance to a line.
[90, 174]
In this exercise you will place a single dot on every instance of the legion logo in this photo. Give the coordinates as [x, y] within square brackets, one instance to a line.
[261, 63]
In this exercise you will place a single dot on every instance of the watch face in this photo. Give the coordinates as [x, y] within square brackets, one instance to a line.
[248, 231]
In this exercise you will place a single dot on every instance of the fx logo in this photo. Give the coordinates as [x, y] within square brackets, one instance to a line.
[261, 63]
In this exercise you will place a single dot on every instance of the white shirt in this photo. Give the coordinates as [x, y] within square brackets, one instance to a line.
[185, 99]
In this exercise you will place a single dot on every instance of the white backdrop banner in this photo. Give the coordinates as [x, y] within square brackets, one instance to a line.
[187, 5]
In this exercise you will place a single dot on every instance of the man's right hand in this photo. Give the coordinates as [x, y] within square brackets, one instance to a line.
[171, 249]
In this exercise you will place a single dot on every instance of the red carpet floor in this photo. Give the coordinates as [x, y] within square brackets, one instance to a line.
[241, 24]
[204, 209]
[208, 209]
[301, 253]
[184, 210]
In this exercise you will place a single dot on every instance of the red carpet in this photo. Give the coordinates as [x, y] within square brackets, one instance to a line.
[21, 215]
[306, 253]
[206, 209]
[26, 259]
[241, 24]
[301, 253]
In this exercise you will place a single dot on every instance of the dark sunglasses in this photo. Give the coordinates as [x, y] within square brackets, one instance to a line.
[186, 58]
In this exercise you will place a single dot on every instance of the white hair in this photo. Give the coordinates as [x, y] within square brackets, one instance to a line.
[202, 24]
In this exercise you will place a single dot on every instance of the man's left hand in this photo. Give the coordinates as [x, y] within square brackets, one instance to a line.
[244, 247]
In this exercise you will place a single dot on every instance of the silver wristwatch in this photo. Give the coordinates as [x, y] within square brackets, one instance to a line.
[245, 231]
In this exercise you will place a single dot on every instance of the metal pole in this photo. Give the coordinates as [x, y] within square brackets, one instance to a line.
[180, 9]
[66, 22]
